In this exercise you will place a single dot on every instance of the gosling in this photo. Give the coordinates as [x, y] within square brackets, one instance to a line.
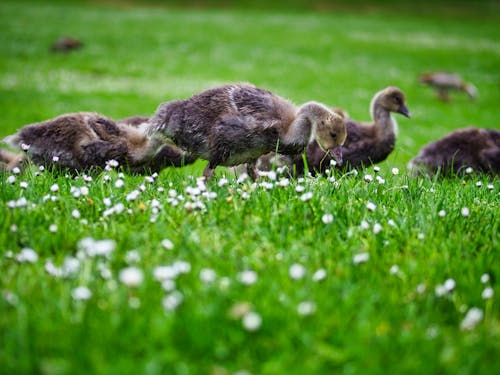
[236, 123]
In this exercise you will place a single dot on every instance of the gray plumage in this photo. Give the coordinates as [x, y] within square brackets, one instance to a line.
[474, 148]
[236, 123]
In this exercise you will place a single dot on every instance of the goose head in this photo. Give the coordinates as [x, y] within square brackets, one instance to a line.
[329, 131]
[393, 100]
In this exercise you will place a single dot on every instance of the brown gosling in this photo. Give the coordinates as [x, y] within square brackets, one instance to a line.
[366, 143]
[236, 123]
[461, 151]
[444, 83]
[84, 141]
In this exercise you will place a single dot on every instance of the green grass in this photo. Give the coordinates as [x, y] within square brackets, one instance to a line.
[366, 319]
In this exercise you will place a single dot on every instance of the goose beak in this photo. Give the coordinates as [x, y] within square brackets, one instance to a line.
[336, 154]
[404, 111]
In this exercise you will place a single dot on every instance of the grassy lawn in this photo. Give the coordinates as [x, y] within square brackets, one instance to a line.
[114, 274]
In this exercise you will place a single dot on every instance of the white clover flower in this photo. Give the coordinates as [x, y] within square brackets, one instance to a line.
[449, 285]
[440, 290]
[27, 255]
[163, 273]
[53, 228]
[251, 321]
[442, 213]
[327, 218]
[394, 270]
[209, 195]
[284, 182]
[70, 266]
[465, 211]
[207, 275]
[104, 271]
[242, 177]
[272, 175]
[172, 301]
[371, 206]
[421, 236]
[132, 256]
[81, 293]
[182, 267]
[131, 276]
[55, 158]
[297, 271]
[267, 185]
[75, 213]
[96, 248]
[306, 196]
[25, 147]
[306, 308]
[421, 288]
[395, 171]
[391, 223]
[368, 178]
[377, 228]
[168, 285]
[13, 228]
[87, 178]
[487, 293]
[222, 182]
[469, 170]
[167, 244]
[490, 186]
[133, 195]
[376, 169]
[112, 163]
[485, 278]
[119, 183]
[247, 277]
[84, 190]
[54, 188]
[361, 258]
[380, 180]
[299, 188]
[193, 191]
[319, 275]
[11, 179]
[52, 270]
[479, 184]
[23, 185]
[364, 225]
[472, 319]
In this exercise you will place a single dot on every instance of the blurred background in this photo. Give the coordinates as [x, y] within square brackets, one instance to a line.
[133, 55]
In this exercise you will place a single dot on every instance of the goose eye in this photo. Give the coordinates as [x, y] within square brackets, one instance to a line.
[333, 135]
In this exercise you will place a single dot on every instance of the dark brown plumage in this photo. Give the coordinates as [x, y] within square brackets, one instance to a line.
[66, 44]
[236, 123]
[444, 83]
[366, 143]
[84, 141]
[474, 148]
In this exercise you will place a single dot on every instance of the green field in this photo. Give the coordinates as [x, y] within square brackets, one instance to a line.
[164, 275]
